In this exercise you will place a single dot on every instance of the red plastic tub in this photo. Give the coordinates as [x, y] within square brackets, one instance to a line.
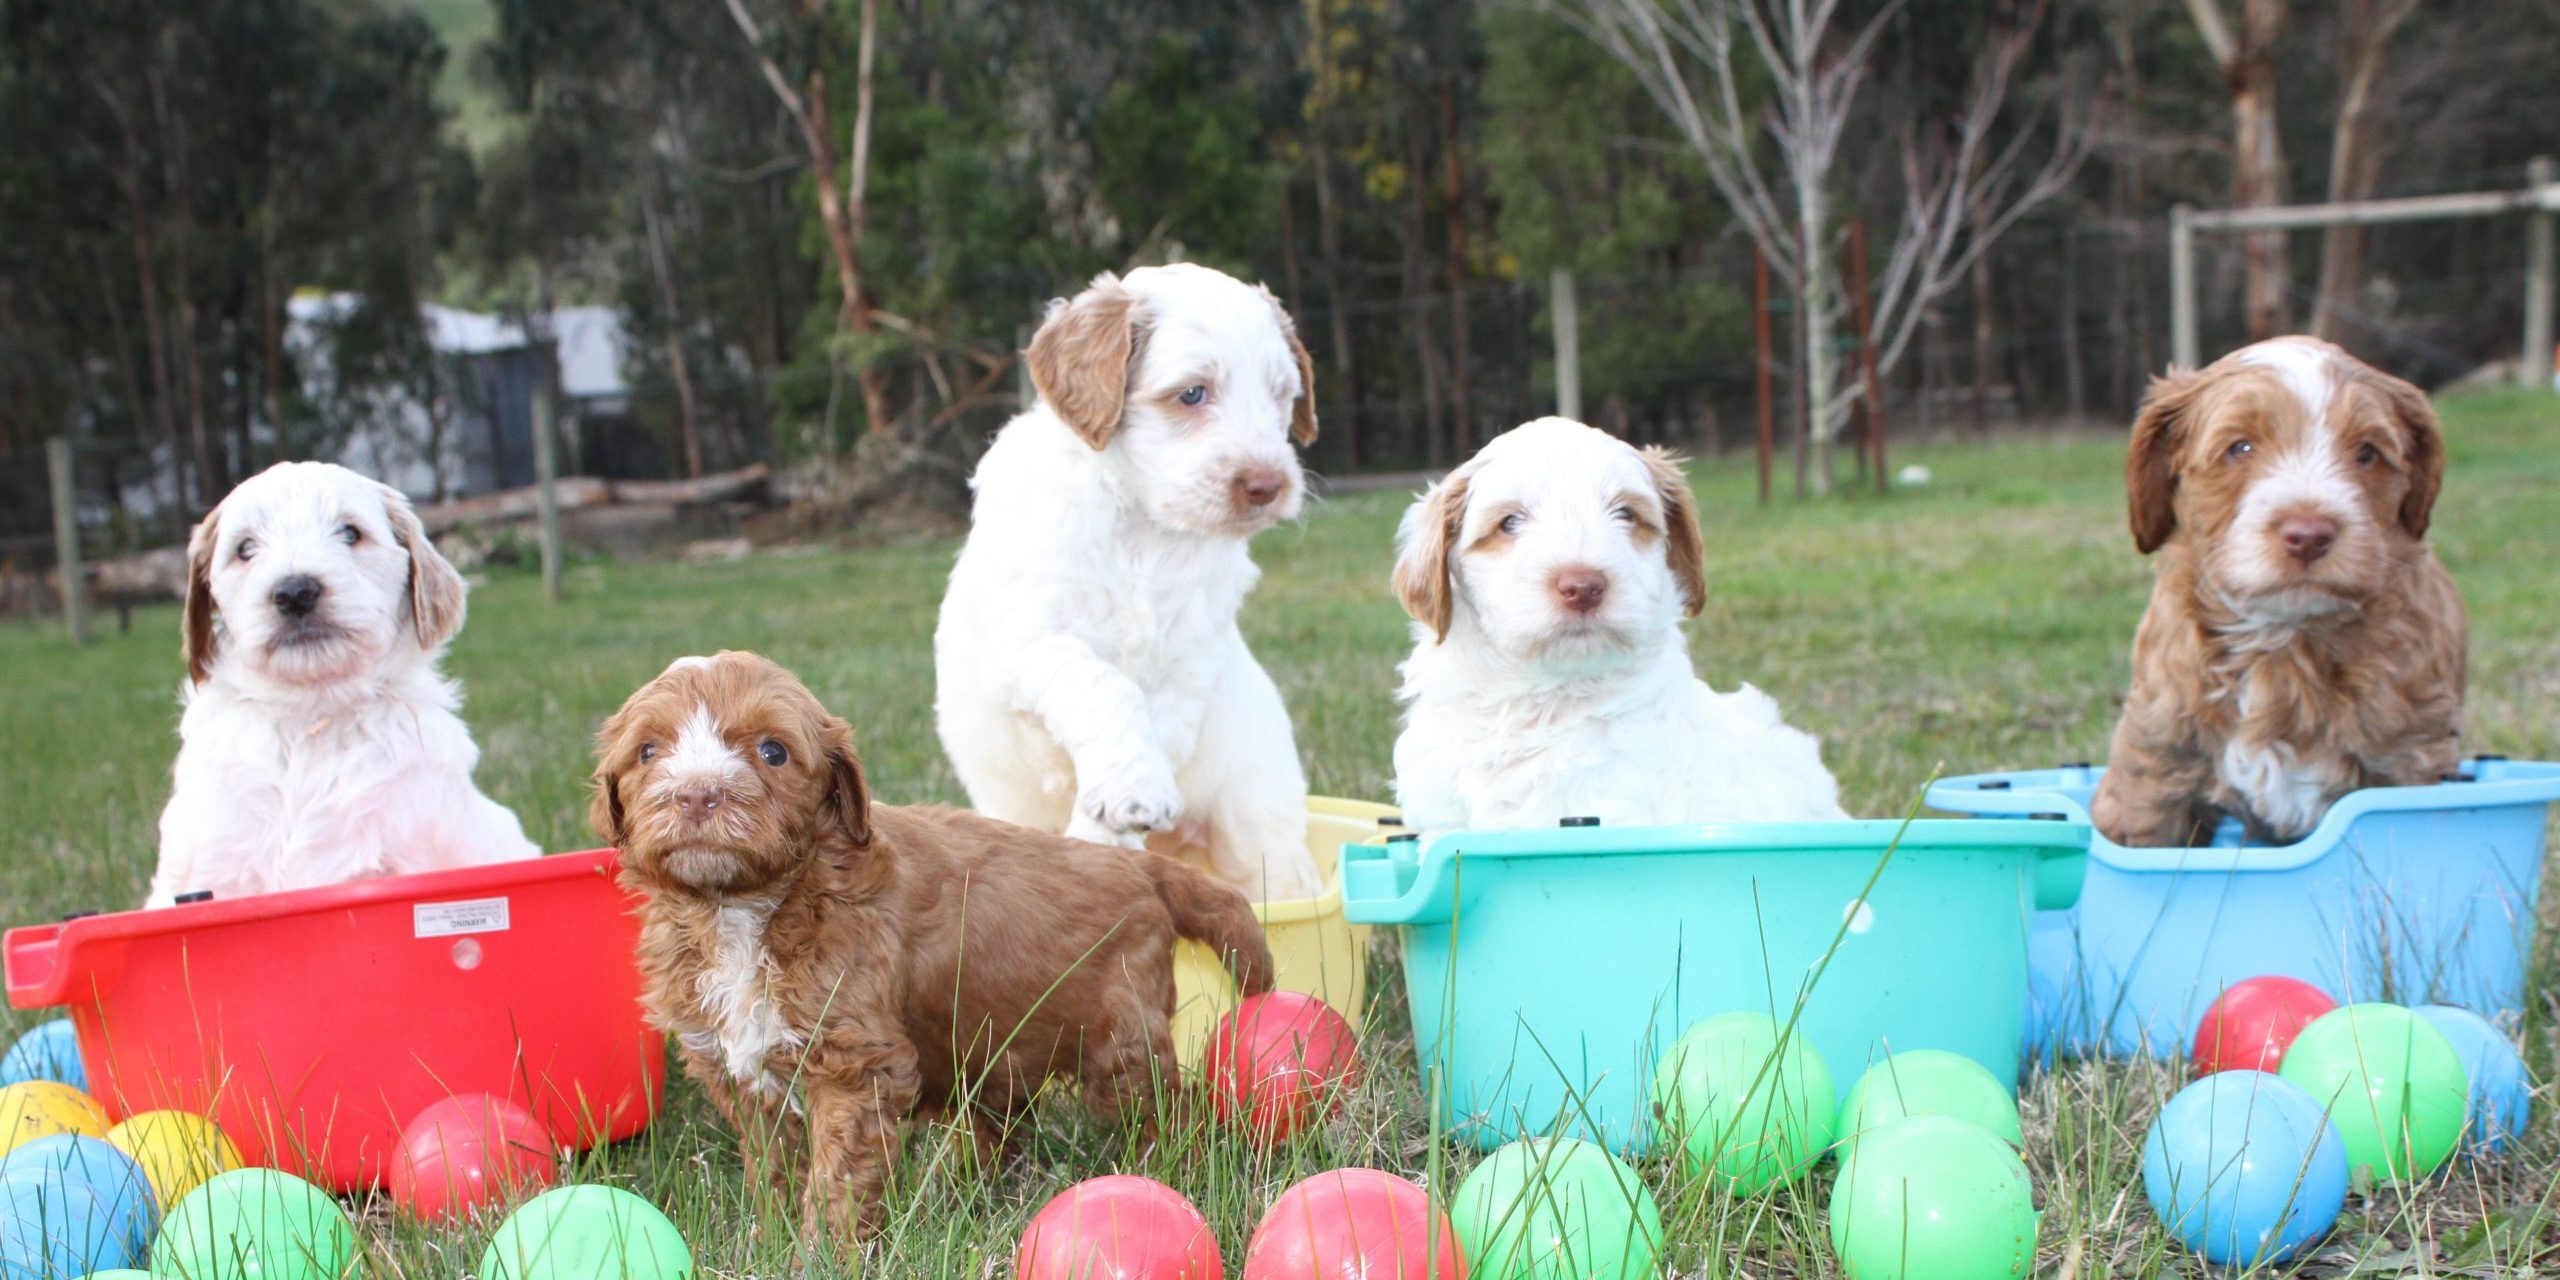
[313, 1024]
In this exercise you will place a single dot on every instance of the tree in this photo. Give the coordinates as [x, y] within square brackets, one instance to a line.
[2365, 29]
[1962, 186]
[2247, 58]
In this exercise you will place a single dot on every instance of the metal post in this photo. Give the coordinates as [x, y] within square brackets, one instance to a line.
[546, 468]
[2539, 277]
[66, 537]
[1568, 320]
[1865, 315]
[2183, 351]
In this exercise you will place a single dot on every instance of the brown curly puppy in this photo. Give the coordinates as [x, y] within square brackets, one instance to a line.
[831, 966]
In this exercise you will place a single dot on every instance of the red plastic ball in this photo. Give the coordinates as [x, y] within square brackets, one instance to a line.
[468, 1151]
[1354, 1224]
[1279, 1062]
[2254, 1022]
[1118, 1228]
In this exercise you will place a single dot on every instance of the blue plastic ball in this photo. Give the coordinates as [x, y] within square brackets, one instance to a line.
[48, 1051]
[122, 1189]
[2501, 1097]
[2244, 1168]
[52, 1227]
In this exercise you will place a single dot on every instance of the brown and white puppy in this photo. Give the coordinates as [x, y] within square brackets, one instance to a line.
[830, 967]
[2302, 640]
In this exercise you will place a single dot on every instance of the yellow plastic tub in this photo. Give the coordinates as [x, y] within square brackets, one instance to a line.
[1313, 948]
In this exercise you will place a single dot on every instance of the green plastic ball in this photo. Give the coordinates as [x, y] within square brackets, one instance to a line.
[255, 1224]
[587, 1233]
[1556, 1209]
[1933, 1198]
[1743, 1107]
[1929, 1082]
[2392, 1083]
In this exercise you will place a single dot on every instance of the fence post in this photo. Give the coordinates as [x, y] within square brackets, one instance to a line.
[66, 537]
[546, 468]
[2182, 288]
[2539, 272]
[1761, 359]
[1568, 318]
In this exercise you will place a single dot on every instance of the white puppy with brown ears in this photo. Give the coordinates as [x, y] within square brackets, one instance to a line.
[319, 743]
[1550, 679]
[1090, 677]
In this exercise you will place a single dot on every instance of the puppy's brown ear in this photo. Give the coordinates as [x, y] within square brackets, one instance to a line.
[1302, 411]
[435, 587]
[604, 807]
[2151, 464]
[2422, 438]
[197, 624]
[1686, 545]
[1427, 551]
[848, 792]
[1081, 358]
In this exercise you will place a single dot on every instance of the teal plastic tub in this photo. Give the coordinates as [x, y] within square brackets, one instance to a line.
[1547, 970]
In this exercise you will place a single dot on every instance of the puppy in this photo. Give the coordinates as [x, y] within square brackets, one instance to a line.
[1090, 678]
[797, 939]
[2302, 641]
[319, 742]
[1547, 579]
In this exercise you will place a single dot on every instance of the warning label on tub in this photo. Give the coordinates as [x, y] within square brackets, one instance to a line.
[445, 919]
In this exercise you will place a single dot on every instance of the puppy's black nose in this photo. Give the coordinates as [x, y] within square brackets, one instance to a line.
[297, 596]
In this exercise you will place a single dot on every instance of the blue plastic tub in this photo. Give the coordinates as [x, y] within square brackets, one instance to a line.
[1547, 970]
[2406, 894]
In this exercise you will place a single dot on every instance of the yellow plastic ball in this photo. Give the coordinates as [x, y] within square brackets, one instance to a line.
[33, 1109]
[178, 1150]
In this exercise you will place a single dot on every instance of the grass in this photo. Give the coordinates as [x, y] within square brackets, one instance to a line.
[1978, 623]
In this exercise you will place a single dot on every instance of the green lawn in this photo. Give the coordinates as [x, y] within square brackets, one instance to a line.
[1978, 623]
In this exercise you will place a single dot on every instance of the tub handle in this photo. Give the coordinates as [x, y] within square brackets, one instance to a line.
[1400, 882]
[30, 960]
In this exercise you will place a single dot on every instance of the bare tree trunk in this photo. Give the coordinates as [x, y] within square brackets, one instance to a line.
[1985, 342]
[688, 428]
[1417, 290]
[154, 335]
[1462, 422]
[2248, 61]
[1813, 239]
[1797, 422]
[1337, 309]
[2355, 159]
[2075, 386]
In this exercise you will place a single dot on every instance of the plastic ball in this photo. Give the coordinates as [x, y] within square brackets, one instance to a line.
[2244, 1168]
[587, 1233]
[33, 1109]
[464, 1152]
[255, 1224]
[178, 1151]
[1933, 1198]
[1119, 1227]
[1744, 1106]
[2252, 1023]
[1279, 1062]
[123, 1194]
[1556, 1209]
[55, 1227]
[1929, 1082]
[2391, 1083]
[48, 1051]
[1354, 1224]
[2501, 1097]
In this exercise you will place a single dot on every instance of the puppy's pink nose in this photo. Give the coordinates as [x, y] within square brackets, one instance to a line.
[697, 804]
[1580, 589]
[2307, 538]
[1258, 487]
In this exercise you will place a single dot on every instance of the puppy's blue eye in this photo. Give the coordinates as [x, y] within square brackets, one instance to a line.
[349, 534]
[2368, 454]
[248, 547]
[1511, 523]
[648, 752]
[772, 753]
[1623, 515]
[2239, 449]
[1194, 395]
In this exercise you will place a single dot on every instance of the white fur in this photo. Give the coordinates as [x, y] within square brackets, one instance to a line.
[750, 1029]
[336, 756]
[1528, 713]
[1090, 676]
[2308, 479]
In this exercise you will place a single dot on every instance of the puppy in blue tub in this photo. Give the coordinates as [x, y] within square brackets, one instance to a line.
[1547, 579]
[2302, 640]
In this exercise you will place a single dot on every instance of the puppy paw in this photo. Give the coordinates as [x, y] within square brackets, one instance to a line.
[1131, 798]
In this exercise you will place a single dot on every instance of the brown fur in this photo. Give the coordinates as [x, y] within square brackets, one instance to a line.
[1688, 545]
[196, 624]
[933, 962]
[1302, 411]
[435, 586]
[2370, 690]
[1082, 355]
[1424, 574]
